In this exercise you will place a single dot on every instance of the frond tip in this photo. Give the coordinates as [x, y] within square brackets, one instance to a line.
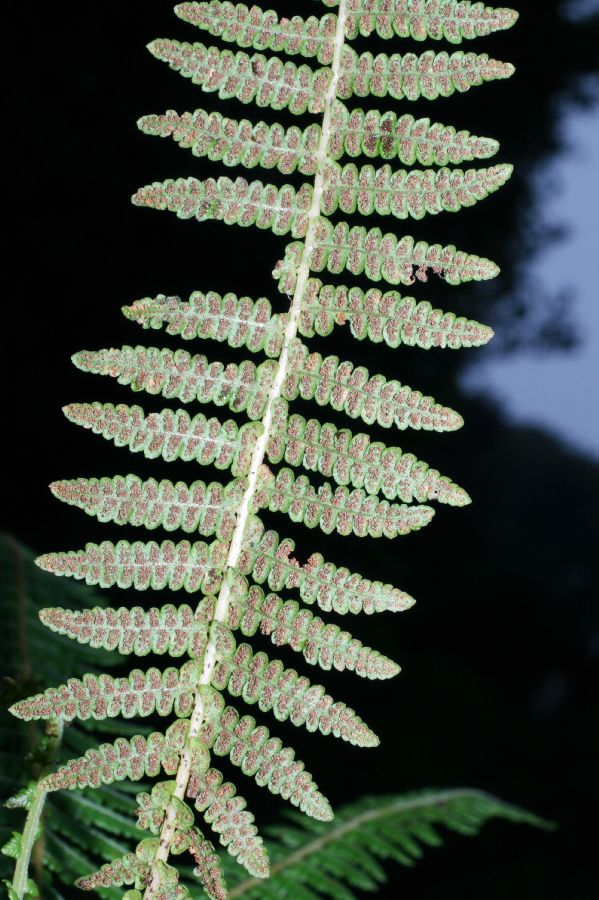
[208, 509]
[385, 257]
[258, 679]
[134, 759]
[238, 321]
[168, 629]
[331, 860]
[371, 133]
[102, 696]
[336, 509]
[450, 20]
[269, 559]
[286, 622]
[191, 567]
[383, 316]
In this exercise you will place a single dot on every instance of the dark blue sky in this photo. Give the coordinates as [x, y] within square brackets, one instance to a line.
[560, 390]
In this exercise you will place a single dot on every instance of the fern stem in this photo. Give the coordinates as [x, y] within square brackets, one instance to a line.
[54, 730]
[333, 834]
[259, 452]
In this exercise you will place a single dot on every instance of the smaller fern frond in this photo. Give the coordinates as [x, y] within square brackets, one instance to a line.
[381, 316]
[167, 629]
[238, 321]
[259, 755]
[402, 194]
[263, 30]
[235, 202]
[270, 81]
[208, 866]
[246, 386]
[438, 20]
[337, 247]
[336, 509]
[208, 509]
[353, 390]
[383, 257]
[243, 387]
[269, 559]
[258, 679]
[136, 758]
[191, 567]
[358, 460]
[171, 434]
[266, 81]
[450, 20]
[286, 622]
[371, 133]
[409, 76]
[103, 696]
[128, 869]
[407, 194]
[312, 859]
[238, 142]
[226, 812]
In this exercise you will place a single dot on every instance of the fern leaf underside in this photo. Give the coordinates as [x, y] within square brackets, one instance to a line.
[352, 469]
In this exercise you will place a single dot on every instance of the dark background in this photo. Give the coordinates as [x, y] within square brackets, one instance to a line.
[500, 678]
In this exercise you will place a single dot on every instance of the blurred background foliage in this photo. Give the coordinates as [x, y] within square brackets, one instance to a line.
[500, 654]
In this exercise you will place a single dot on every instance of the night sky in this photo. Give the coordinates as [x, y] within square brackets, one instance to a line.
[500, 654]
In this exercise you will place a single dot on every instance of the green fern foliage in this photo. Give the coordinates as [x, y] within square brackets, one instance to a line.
[313, 859]
[240, 142]
[78, 830]
[351, 483]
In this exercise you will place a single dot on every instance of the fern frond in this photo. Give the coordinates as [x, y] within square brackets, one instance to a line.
[238, 321]
[260, 755]
[451, 20]
[226, 812]
[284, 209]
[269, 81]
[312, 860]
[209, 509]
[208, 866]
[336, 509]
[171, 434]
[238, 142]
[383, 257]
[191, 567]
[239, 202]
[268, 559]
[406, 194]
[266, 81]
[371, 133]
[133, 759]
[337, 247]
[247, 386]
[407, 76]
[102, 696]
[372, 398]
[167, 629]
[286, 622]
[237, 23]
[243, 387]
[388, 317]
[258, 679]
[128, 869]
[360, 468]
